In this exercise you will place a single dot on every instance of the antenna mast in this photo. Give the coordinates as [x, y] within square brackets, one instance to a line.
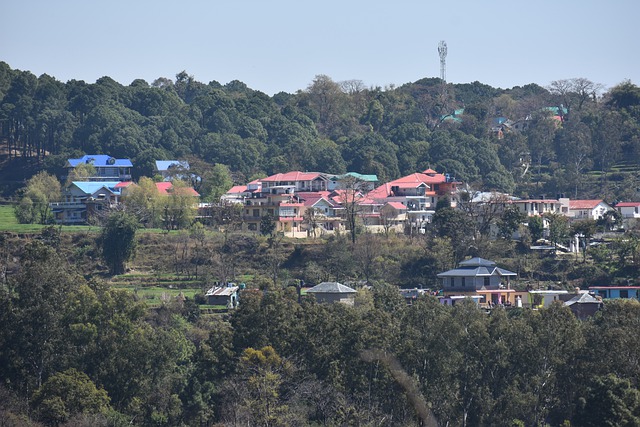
[442, 51]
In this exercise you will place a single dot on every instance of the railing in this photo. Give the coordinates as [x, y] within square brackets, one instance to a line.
[67, 205]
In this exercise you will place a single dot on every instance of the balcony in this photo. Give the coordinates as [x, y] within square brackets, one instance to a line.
[67, 205]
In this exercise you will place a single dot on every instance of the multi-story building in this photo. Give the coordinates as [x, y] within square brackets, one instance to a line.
[107, 168]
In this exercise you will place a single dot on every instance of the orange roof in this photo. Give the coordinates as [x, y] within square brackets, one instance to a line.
[165, 188]
[583, 204]
[627, 204]
[397, 205]
[237, 189]
[291, 176]
[428, 177]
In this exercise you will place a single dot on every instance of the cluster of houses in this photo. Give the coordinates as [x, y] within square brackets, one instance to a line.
[490, 286]
[104, 190]
[477, 279]
[310, 203]
[303, 204]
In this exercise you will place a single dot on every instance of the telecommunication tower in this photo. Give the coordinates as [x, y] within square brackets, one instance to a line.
[442, 50]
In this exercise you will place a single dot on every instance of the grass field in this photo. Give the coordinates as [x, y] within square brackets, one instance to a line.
[8, 222]
[154, 296]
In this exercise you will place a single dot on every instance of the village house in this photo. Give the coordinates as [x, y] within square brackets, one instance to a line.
[479, 276]
[365, 183]
[331, 292]
[170, 169]
[107, 168]
[588, 209]
[628, 209]
[83, 199]
[223, 295]
[542, 206]
[419, 192]
[616, 292]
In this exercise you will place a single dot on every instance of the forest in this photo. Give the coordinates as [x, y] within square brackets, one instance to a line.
[78, 349]
[573, 137]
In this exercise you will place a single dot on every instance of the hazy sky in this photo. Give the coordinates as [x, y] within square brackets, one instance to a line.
[281, 45]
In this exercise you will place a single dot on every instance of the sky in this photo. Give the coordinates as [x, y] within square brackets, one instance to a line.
[281, 45]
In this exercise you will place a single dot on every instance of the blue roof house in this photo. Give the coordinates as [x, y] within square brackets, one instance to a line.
[107, 168]
[82, 199]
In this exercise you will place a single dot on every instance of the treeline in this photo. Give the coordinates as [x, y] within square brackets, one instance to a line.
[334, 127]
[77, 352]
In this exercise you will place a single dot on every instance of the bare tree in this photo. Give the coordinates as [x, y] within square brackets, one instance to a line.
[351, 199]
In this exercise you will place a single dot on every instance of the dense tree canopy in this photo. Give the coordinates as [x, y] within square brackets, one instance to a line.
[560, 132]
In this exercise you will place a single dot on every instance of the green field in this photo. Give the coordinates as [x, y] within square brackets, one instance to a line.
[8, 222]
[154, 296]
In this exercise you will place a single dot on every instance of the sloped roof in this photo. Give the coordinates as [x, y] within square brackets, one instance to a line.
[163, 165]
[222, 291]
[366, 178]
[582, 298]
[627, 204]
[166, 187]
[331, 288]
[397, 205]
[428, 177]
[90, 187]
[467, 272]
[584, 204]
[477, 267]
[237, 189]
[99, 160]
[311, 199]
[477, 261]
[292, 176]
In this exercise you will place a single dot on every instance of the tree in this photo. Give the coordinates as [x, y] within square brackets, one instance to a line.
[33, 304]
[311, 218]
[68, 393]
[575, 150]
[41, 190]
[610, 401]
[82, 172]
[536, 228]
[540, 137]
[558, 227]
[351, 198]
[178, 207]
[143, 201]
[267, 224]
[510, 221]
[118, 241]
[457, 227]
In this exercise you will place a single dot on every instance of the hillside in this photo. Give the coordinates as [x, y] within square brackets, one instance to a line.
[524, 140]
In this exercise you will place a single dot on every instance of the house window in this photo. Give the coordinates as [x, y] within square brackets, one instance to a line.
[624, 293]
[464, 282]
[256, 212]
[487, 282]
